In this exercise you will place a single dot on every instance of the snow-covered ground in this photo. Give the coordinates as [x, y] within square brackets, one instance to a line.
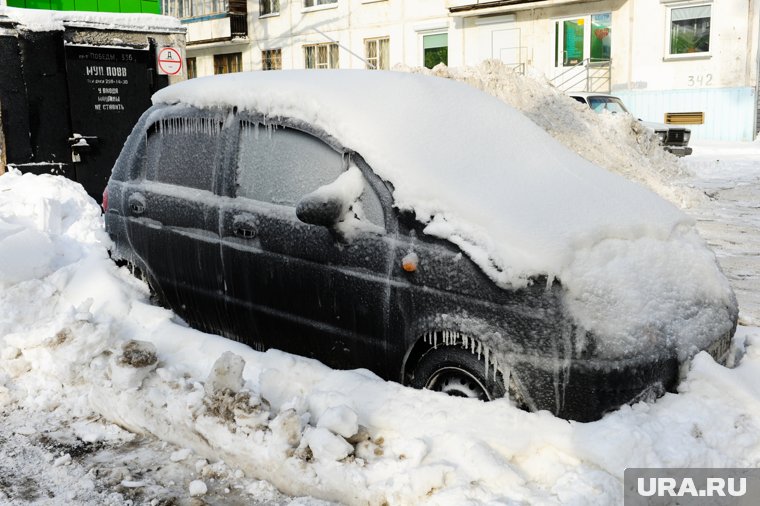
[89, 420]
[106, 398]
[729, 173]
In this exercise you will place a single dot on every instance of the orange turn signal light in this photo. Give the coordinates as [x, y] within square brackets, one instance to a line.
[409, 262]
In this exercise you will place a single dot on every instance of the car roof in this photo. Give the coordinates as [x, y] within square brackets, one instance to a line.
[473, 168]
[590, 94]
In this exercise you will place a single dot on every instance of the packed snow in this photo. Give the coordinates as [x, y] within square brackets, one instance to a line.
[107, 399]
[520, 204]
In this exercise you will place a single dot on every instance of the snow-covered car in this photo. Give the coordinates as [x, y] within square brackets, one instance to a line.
[673, 139]
[416, 227]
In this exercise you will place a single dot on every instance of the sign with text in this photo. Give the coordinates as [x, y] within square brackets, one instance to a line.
[169, 61]
[109, 88]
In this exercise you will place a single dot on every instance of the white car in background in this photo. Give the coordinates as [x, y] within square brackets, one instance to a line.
[673, 139]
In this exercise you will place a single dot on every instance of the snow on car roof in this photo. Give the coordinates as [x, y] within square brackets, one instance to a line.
[473, 167]
[520, 204]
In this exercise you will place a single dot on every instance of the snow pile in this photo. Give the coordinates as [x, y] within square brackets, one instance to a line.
[80, 346]
[39, 20]
[617, 142]
[516, 201]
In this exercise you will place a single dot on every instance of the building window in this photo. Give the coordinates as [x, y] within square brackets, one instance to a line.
[588, 37]
[690, 29]
[321, 56]
[376, 52]
[435, 48]
[271, 59]
[191, 68]
[228, 63]
[269, 7]
[184, 9]
[313, 3]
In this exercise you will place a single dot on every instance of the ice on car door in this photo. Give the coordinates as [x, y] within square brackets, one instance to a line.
[295, 285]
[174, 216]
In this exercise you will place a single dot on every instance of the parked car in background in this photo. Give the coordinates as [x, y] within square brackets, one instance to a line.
[442, 240]
[673, 139]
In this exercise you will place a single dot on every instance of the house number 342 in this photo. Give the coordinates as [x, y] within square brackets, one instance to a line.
[700, 80]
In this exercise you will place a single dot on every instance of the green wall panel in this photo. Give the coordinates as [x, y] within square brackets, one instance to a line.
[62, 5]
[130, 6]
[86, 5]
[147, 6]
[108, 6]
[151, 7]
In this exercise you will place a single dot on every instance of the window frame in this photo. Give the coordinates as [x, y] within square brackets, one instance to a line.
[422, 45]
[310, 5]
[332, 49]
[266, 59]
[189, 9]
[269, 8]
[238, 57]
[559, 38]
[378, 58]
[669, 55]
[192, 67]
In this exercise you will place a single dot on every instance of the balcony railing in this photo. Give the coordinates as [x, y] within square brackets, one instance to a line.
[238, 24]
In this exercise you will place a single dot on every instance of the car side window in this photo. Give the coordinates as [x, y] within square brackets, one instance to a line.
[181, 151]
[280, 165]
[370, 207]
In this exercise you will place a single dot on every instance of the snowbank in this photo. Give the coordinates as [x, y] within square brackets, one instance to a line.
[79, 341]
[617, 142]
[516, 201]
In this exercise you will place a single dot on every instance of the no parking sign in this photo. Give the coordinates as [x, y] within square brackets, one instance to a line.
[169, 61]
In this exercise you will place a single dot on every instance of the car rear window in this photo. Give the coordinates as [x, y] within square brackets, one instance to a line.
[280, 165]
[181, 151]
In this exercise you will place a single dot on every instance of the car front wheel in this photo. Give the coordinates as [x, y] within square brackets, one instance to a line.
[458, 372]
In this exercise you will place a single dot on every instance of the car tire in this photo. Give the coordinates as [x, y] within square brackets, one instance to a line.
[458, 372]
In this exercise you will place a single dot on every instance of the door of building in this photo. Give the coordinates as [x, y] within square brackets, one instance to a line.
[505, 45]
[109, 88]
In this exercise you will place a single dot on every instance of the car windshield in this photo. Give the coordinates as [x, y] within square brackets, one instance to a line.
[611, 104]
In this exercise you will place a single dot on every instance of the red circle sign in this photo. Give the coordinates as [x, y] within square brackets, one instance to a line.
[169, 61]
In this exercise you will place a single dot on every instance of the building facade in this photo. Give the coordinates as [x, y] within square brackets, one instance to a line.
[692, 62]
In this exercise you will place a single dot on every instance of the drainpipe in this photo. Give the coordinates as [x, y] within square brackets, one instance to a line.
[753, 50]
[631, 19]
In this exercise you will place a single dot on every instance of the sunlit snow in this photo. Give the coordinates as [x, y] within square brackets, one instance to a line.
[106, 398]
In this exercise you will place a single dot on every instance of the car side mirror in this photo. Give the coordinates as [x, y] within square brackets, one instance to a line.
[318, 209]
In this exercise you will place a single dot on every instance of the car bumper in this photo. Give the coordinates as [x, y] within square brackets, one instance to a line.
[678, 150]
[585, 391]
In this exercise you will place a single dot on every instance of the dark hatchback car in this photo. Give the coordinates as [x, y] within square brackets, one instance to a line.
[266, 229]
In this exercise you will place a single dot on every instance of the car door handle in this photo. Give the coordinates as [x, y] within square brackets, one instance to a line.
[244, 232]
[137, 203]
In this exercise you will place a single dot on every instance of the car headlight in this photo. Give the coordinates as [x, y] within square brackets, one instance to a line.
[686, 135]
[662, 136]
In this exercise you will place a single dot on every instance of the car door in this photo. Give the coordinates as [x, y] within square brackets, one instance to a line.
[173, 215]
[296, 286]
